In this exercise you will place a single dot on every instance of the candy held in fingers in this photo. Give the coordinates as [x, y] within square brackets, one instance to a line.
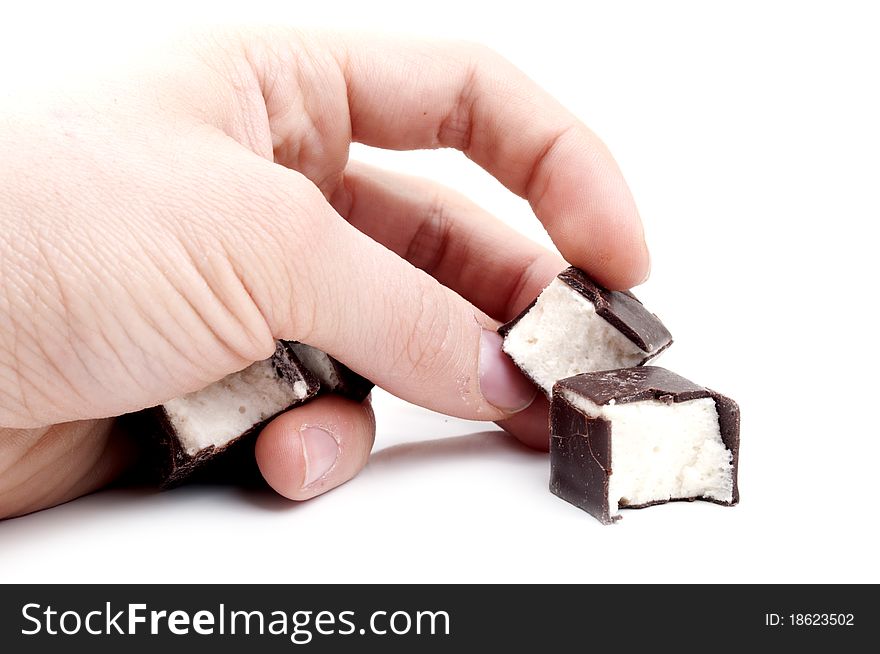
[197, 427]
[576, 326]
[200, 426]
[641, 436]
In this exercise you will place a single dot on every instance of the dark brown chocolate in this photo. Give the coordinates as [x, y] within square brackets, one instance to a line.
[632, 385]
[620, 308]
[580, 446]
[580, 459]
[350, 385]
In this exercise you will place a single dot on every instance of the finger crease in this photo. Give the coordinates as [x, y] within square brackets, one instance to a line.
[457, 128]
[343, 197]
[428, 246]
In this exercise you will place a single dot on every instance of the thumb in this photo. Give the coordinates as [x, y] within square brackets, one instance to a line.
[389, 321]
[416, 338]
[315, 447]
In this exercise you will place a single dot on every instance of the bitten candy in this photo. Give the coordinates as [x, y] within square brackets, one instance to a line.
[635, 437]
[576, 326]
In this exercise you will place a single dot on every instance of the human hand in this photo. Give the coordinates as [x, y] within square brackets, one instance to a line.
[161, 230]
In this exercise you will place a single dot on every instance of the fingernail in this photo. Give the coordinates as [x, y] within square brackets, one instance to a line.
[647, 262]
[501, 382]
[320, 451]
[647, 267]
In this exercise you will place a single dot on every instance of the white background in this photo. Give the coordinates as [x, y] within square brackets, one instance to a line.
[749, 135]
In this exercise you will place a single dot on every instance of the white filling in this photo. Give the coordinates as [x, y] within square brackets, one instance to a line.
[562, 335]
[226, 409]
[663, 451]
[318, 363]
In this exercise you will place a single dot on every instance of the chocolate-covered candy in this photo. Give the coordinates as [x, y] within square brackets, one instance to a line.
[576, 326]
[641, 436]
[193, 429]
[188, 432]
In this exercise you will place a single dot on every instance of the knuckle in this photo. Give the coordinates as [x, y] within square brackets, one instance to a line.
[480, 66]
[257, 239]
[293, 235]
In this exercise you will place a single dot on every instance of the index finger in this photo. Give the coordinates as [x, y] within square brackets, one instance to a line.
[415, 94]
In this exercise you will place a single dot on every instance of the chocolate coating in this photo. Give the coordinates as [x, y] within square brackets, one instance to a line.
[623, 310]
[632, 385]
[580, 459]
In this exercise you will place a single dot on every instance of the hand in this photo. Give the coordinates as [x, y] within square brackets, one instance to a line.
[161, 230]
